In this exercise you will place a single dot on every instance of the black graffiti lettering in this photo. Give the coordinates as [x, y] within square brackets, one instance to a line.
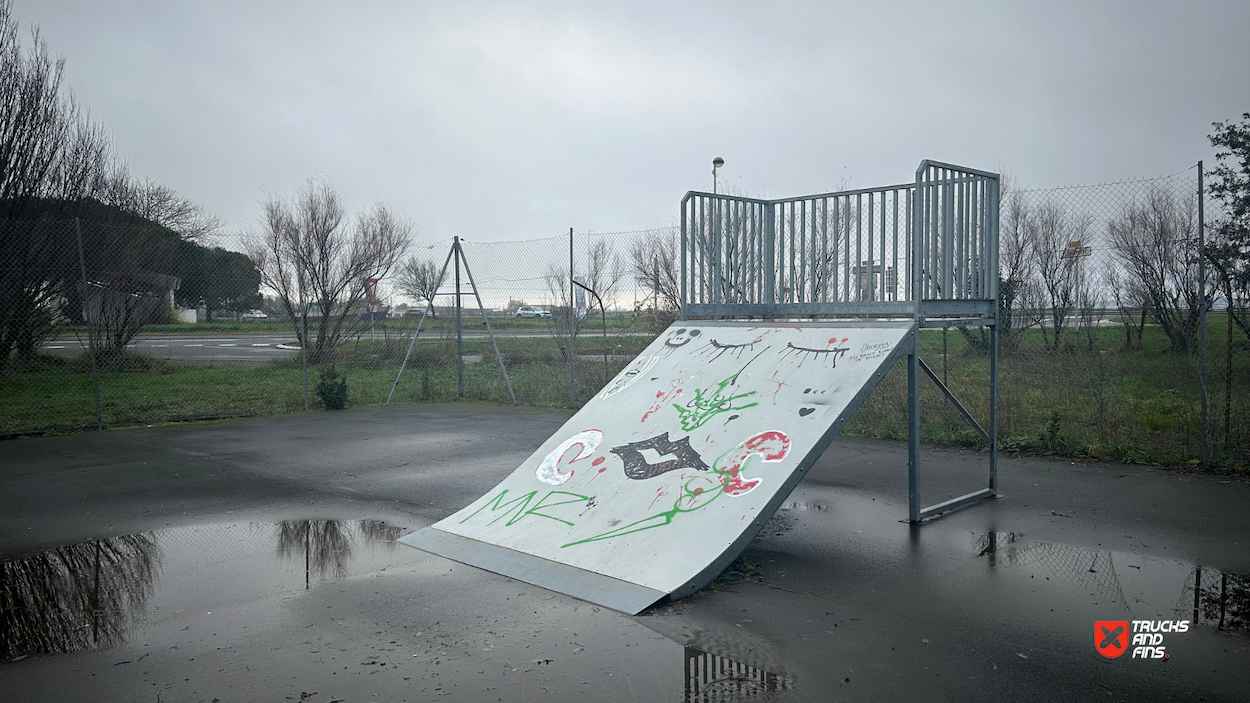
[637, 467]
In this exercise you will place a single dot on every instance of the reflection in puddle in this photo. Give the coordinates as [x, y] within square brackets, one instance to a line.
[91, 595]
[1221, 599]
[326, 545]
[710, 677]
[81, 596]
[1206, 596]
[1090, 568]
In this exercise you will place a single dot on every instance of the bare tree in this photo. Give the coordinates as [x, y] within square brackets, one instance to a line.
[1155, 240]
[1015, 261]
[307, 243]
[1130, 300]
[1049, 230]
[601, 275]
[418, 278]
[654, 263]
[51, 157]
[160, 204]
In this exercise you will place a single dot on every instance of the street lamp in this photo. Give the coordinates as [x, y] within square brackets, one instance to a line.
[716, 163]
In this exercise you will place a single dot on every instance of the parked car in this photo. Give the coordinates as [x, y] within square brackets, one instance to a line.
[254, 315]
[531, 311]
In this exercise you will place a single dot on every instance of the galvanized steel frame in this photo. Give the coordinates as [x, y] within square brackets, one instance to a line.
[939, 233]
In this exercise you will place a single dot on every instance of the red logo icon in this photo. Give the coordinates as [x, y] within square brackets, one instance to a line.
[1111, 637]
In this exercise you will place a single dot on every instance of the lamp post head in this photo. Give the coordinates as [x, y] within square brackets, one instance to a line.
[718, 162]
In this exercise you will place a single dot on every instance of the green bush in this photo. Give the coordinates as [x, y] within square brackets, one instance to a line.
[332, 389]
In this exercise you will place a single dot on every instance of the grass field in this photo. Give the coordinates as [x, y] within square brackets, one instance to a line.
[1110, 403]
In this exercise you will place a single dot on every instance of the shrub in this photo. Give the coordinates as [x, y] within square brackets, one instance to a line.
[332, 389]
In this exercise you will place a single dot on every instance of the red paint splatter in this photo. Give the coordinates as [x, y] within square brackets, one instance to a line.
[598, 461]
[697, 491]
[771, 446]
[779, 385]
[663, 398]
[659, 493]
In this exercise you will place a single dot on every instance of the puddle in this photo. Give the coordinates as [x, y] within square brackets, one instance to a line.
[214, 606]
[1137, 586]
[92, 595]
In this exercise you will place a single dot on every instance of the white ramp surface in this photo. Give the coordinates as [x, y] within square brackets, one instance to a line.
[662, 479]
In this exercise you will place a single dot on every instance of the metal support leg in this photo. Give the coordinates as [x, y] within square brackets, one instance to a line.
[913, 430]
[994, 410]
[429, 309]
[455, 243]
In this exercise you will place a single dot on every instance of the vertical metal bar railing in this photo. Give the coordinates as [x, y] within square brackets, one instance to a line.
[801, 233]
[883, 233]
[909, 233]
[769, 247]
[897, 266]
[947, 260]
[865, 277]
[930, 240]
[824, 250]
[685, 205]
[790, 298]
[859, 247]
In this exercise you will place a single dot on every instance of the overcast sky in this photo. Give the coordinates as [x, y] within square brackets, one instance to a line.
[519, 120]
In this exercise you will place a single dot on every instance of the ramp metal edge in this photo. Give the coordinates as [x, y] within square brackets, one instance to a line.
[626, 597]
[906, 346]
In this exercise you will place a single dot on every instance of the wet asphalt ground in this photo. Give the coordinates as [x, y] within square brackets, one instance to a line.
[253, 561]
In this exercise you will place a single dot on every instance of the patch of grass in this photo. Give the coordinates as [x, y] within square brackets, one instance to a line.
[1136, 406]
[740, 570]
[1139, 406]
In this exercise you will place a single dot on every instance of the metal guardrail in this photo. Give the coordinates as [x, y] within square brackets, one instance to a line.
[873, 251]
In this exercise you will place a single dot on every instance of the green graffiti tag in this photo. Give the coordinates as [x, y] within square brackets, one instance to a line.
[698, 411]
[519, 508]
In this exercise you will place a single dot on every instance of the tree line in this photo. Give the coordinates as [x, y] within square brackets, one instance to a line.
[61, 182]
[142, 243]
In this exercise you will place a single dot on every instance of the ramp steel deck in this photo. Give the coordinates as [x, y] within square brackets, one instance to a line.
[663, 478]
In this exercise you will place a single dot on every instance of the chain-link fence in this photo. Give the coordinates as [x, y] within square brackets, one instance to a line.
[1107, 312]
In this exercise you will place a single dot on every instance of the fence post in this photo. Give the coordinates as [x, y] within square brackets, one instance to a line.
[95, 377]
[1202, 323]
[455, 243]
[572, 334]
[303, 314]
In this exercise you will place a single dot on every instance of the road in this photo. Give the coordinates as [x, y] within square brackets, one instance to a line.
[262, 346]
[214, 591]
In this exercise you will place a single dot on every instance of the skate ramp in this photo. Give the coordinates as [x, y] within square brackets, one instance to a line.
[662, 479]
